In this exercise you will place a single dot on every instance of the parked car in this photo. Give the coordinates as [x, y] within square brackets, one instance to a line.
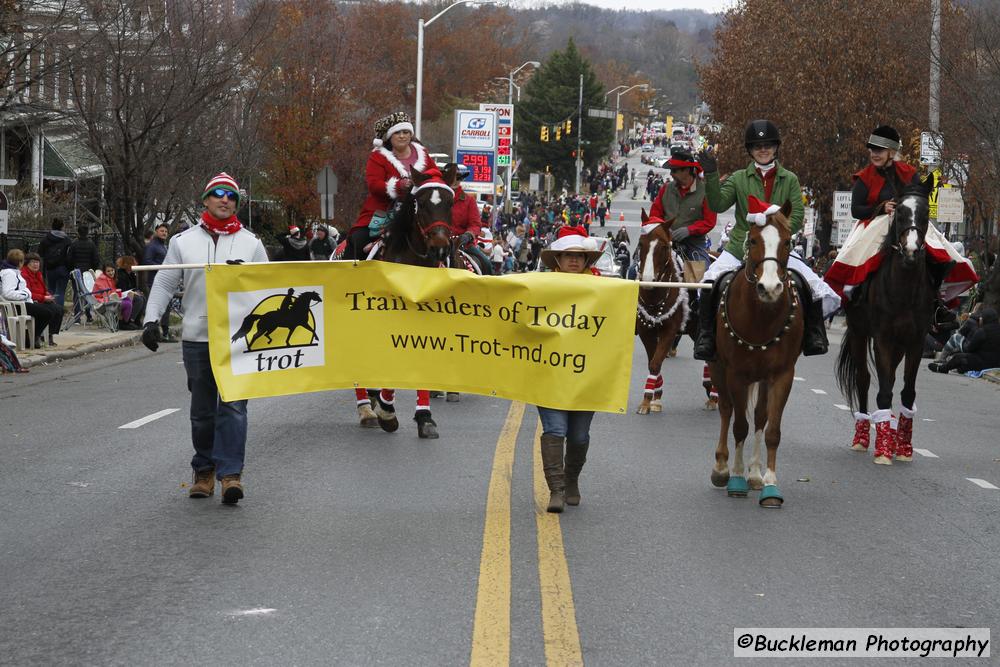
[648, 148]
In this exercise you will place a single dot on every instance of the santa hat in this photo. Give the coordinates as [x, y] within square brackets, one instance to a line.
[757, 211]
[570, 239]
[650, 224]
[389, 125]
[222, 181]
[293, 230]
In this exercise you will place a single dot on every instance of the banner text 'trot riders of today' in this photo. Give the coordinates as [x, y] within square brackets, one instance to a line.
[561, 341]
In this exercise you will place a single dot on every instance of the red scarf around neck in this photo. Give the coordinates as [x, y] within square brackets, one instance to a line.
[229, 226]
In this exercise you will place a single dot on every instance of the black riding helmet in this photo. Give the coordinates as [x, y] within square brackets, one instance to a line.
[761, 132]
[883, 137]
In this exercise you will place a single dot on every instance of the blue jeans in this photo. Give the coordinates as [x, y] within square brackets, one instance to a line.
[56, 280]
[574, 425]
[218, 429]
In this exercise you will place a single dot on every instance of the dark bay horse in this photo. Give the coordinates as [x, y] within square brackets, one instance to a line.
[759, 336]
[661, 312]
[419, 235]
[887, 322]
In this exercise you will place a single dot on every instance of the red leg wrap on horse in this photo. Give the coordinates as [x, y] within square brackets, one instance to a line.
[885, 439]
[361, 395]
[423, 399]
[862, 430]
[904, 436]
[388, 396]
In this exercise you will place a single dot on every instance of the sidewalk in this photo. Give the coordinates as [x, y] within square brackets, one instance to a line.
[78, 341]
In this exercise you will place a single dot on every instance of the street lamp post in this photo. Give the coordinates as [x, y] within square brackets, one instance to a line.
[421, 24]
[508, 205]
[618, 103]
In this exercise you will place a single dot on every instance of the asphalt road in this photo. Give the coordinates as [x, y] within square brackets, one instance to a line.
[359, 547]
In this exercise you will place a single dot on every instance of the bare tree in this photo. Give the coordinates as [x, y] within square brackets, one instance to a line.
[158, 92]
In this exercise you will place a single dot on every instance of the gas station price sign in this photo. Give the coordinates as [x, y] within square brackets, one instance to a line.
[481, 169]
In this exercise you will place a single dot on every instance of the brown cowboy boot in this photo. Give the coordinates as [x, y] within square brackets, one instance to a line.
[203, 485]
[552, 466]
[232, 489]
[576, 456]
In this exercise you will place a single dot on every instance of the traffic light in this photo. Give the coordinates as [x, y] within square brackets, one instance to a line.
[569, 126]
[558, 133]
[545, 133]
[572, 153]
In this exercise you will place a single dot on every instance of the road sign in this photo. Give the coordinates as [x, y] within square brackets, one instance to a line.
[3, 213]
[840, 231]
[601, 113]
[842, 205]
[326, 186]
[535, 182]
[809, 223]
[8, 181]
[930, 148]
[950, 207]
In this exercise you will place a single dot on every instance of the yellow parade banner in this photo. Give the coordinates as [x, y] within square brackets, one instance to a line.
[556, 340]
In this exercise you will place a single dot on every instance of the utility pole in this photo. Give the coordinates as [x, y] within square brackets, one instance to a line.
[579, 139]
[934, 111]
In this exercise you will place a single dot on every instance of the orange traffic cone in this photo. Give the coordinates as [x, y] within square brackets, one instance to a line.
[621, 217]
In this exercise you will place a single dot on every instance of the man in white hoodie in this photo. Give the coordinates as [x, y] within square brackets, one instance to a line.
[218, 429]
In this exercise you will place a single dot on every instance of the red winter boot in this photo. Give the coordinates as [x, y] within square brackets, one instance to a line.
[885, 439]
[904, 435]
[862, 432]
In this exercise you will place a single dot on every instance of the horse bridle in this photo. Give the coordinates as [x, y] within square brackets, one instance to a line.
[426, 232]
[898, 246]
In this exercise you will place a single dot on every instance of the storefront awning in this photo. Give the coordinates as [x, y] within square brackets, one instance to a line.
[67, 158]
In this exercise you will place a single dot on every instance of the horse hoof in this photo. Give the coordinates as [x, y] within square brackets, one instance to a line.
[427, 430]
[452, 397]
[672, 353]
[770, 497]
[389, 425]
[756, 483]
[904, 459]
[642, 410]
[720, 479]
[368, 417]
[711, 404]
[882, 460]
[737, 487]
[858, 448]
[656, 406]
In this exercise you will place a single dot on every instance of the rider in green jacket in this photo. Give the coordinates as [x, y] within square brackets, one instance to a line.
[767, 180]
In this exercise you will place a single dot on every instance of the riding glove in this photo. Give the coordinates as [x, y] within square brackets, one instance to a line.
[679, 234]
[707, 162]
[465, 239]
[151, 335]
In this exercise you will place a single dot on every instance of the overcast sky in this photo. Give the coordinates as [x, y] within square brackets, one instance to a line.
[645, 5]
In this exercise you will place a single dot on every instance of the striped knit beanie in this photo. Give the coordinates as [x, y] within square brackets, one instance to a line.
[225, 182]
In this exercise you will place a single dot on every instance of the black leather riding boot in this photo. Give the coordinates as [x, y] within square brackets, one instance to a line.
[814, 339]
[704, 349]
[576, 456]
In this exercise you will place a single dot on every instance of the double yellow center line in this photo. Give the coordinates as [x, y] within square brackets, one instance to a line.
[491, 628]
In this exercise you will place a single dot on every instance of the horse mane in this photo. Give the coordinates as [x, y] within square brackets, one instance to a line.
[398, 229]
[782, 221]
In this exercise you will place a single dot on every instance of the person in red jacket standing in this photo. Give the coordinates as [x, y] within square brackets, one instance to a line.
[387, 175]
[466, 221]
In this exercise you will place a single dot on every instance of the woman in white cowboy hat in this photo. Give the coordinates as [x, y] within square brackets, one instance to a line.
[571, 252]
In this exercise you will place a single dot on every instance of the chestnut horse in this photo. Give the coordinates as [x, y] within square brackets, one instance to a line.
[759, 336]
[661, 312]
[888, 322]
[420, 235]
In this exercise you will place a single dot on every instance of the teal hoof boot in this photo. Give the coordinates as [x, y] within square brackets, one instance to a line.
[737, 487]
[770, 497]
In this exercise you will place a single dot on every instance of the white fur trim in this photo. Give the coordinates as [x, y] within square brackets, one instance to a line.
[573, 242]
[390, 187]
[376, 142]
[399, 127]
[760, 219]
[421, 162]
[908, 413]
[432, 184]
[648, 227]
[403, 172]
[862, 417]
[880, 416]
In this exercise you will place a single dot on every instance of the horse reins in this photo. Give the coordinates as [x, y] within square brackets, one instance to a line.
[658, 313]
[750, 273]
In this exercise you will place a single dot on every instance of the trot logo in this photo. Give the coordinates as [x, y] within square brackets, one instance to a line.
[276, 330]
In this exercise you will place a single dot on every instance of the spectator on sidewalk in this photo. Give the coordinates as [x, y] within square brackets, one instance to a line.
[53, 252]
[14, 287]
[82, 253]
[322, 246]
[981, 350]
[106, 289]
[218, 428]
[154, 255]
[294, 245]
[128, 281]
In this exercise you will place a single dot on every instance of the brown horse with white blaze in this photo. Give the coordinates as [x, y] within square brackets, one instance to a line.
[661, 312]
[759, 330]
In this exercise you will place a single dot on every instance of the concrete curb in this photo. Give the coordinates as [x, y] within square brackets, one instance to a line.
[992, 377]
[80, 350]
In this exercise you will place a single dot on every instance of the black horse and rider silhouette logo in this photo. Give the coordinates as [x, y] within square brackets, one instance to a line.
[280, 311]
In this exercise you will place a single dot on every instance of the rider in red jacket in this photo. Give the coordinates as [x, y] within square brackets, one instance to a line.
[466, 221]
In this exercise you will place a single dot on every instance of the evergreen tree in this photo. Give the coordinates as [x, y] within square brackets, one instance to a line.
[550, 98]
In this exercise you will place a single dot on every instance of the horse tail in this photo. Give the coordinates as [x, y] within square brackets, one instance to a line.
[847, 365]
[248, 323]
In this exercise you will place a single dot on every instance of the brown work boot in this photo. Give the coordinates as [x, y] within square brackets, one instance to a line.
[552, 466]
[203, 485]
[576, 456]
[232, 489]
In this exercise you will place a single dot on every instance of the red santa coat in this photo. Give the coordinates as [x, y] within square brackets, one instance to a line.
[465, 214]
[382, 174]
